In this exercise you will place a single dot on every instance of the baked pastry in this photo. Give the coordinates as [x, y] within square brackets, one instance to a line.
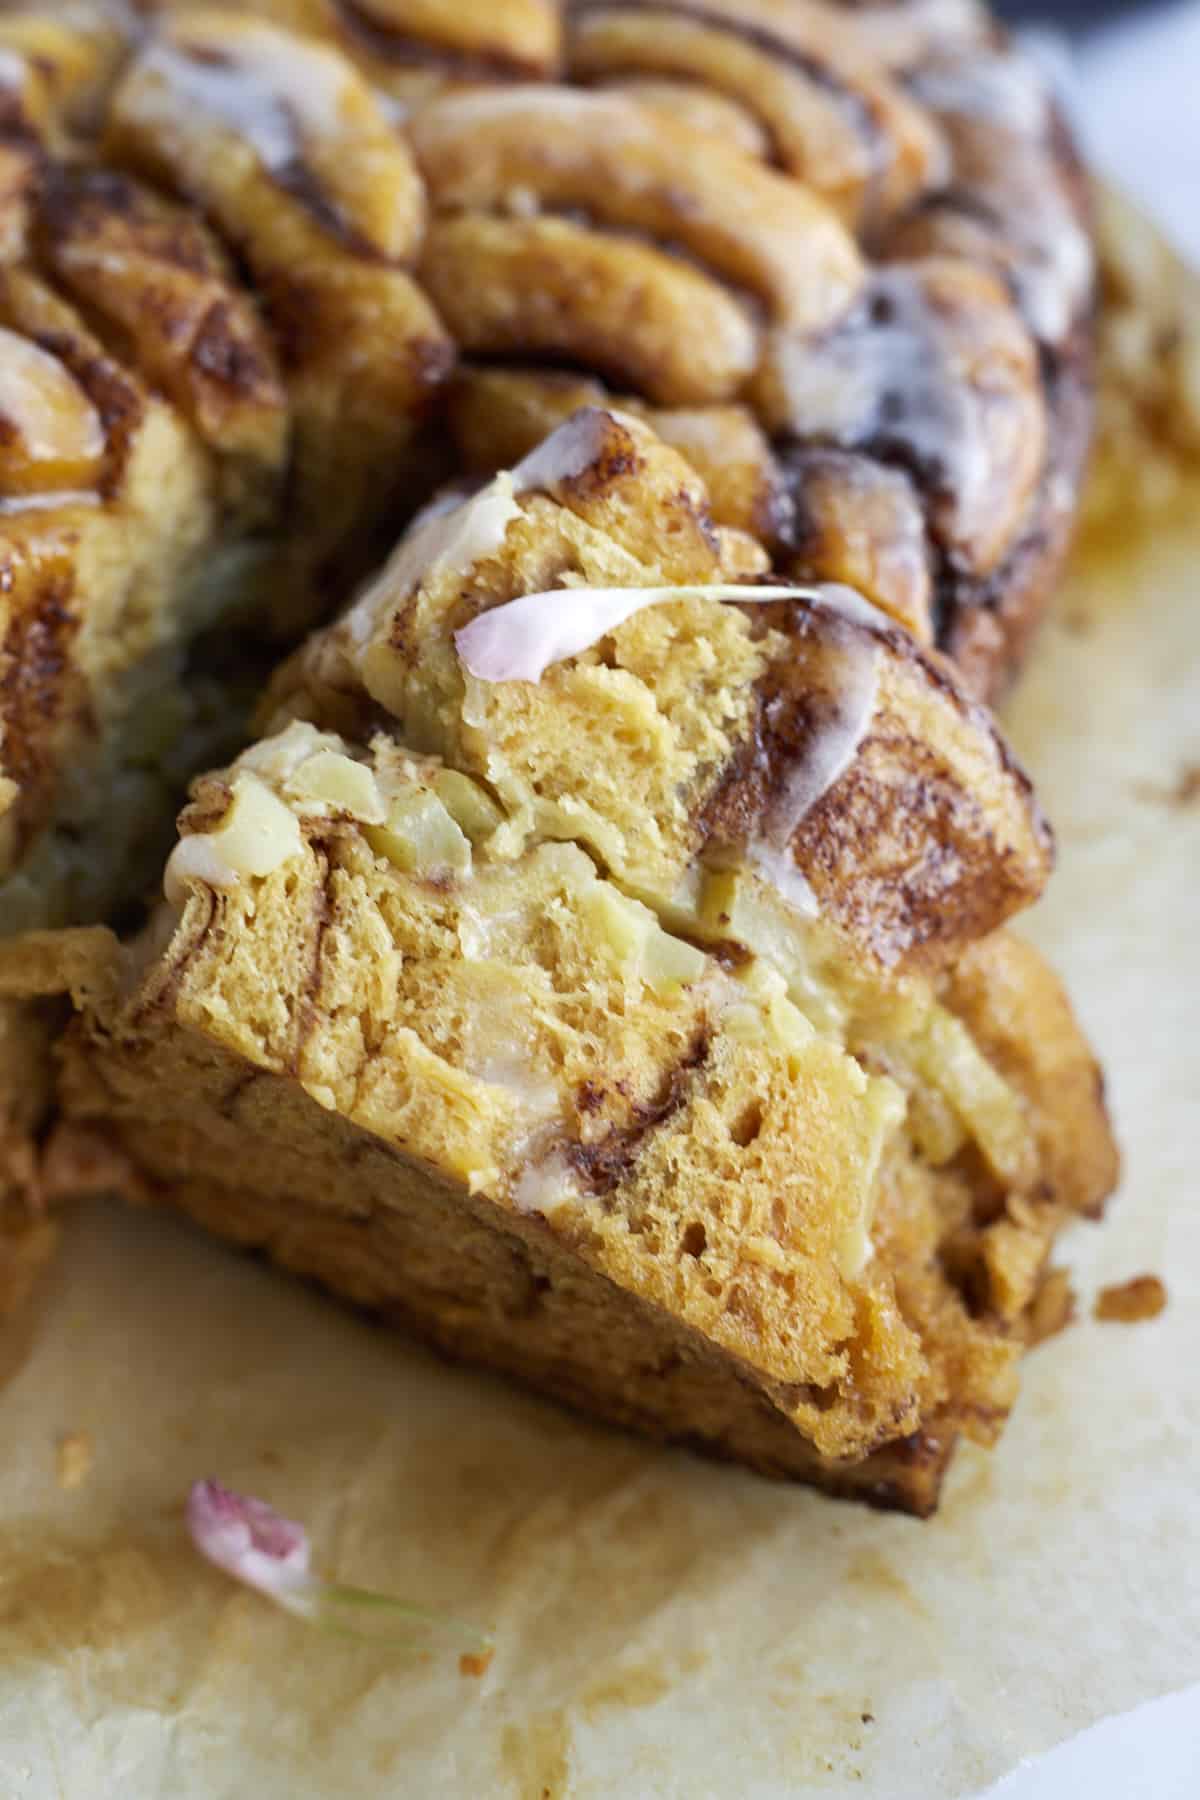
[597, 967]
[259, 361]
[182, 447]
[838, 251]
[178, 461]
[242, 247]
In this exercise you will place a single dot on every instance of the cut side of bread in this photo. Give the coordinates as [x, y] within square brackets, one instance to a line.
[643, 1028]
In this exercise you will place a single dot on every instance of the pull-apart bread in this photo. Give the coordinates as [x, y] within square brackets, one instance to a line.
[210, 388]
[836, 255]
[270, 273]
[596, 966]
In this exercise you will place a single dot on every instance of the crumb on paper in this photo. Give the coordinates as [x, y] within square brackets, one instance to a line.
[868, 1718]
[1182, 794]
[1129, 1302]
[1186, 791]
[73, 1458]
[473, 1662]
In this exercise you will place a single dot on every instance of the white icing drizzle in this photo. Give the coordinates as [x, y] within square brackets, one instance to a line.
[22, 503]
[45, 404]
[521, 640]
[852, 689]
[267, 85]
[836, 744]
[850, 605]
[570, 449]
[445, 540]
[839, 389]
[440, 507]
[900, 36]
[996, 85]
[232, 95]
[396, 111]
[1056, 274]
[14, 69]
[453, 533]
[1054, 262]
[775, 866]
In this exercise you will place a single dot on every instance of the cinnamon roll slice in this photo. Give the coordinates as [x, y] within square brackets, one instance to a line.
[595, 968]
[288, 154]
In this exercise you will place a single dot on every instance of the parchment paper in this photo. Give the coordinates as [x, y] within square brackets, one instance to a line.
[663, 1627]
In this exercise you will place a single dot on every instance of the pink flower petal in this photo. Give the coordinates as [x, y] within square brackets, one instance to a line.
[521, 639]
[256, 1545]
[252, 1542]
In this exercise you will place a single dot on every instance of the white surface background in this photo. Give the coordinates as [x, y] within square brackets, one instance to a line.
[1137, 101]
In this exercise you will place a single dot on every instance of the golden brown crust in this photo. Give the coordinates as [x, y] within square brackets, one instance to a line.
[634, 171]
[988, 627]
[1063, 1082]
[167, 423]
[322, 202]
[830, 115]
[554, 288]
[61, 61]
[934, 371]
[987, 410]
[498, 415]
[860, 522]
[518, 38]
[932, 837]
[95, 556]
[661, 221]
[162, 290]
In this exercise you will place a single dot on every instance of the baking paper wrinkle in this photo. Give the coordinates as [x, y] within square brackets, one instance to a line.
[664, 1627]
